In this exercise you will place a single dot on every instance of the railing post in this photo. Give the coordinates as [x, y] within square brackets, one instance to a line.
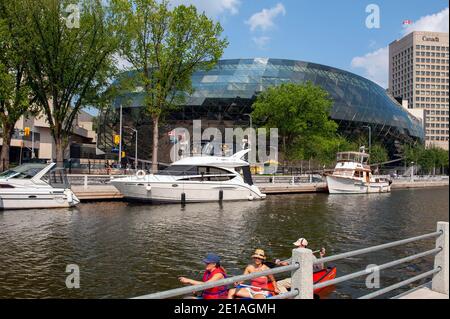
[302, 278]
[85, 181]
[440, 280]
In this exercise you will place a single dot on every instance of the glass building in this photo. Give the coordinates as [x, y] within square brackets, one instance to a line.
[226, 93]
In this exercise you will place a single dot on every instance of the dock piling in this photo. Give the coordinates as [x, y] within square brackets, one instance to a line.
[302, 278]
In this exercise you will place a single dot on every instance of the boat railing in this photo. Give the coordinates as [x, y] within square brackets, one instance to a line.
[302, 264]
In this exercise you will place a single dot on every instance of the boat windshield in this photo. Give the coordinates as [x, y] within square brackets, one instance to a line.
[353, 157]
[26, 171]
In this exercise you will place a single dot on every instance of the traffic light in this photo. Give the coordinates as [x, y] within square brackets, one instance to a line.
[26, 131]
[123, 154]
[117, 139]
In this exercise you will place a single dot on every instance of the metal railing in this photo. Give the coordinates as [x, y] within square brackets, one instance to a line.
[301, 268]
[224, 282]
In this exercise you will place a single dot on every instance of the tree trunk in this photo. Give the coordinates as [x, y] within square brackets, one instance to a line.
[155, 144]
[8, 132]
[59, 152]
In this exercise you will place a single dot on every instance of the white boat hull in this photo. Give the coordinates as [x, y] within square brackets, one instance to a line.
[37, 199]
[194, 192]
[342, 185]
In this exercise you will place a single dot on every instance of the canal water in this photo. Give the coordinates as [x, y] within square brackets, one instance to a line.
[125, 250]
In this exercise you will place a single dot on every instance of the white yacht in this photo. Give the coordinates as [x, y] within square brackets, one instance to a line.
[35, 186]
[192, 180]
[352, 175]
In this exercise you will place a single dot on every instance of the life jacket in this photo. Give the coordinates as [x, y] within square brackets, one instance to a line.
[220, 292]
[260, 282]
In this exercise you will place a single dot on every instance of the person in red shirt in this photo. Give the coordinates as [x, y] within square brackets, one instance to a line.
[213, 272]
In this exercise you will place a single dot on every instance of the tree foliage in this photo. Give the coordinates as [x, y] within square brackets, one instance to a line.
[15, 95]
[165, 46]
[378, 154]
[428, 159]
[301, 112]
[65, 64]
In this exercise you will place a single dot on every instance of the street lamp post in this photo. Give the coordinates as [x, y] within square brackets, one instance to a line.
[251, 119]
[370, 138]
[135, 147]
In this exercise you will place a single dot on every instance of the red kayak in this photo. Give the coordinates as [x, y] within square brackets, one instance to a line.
[318, 277]
[322, 276]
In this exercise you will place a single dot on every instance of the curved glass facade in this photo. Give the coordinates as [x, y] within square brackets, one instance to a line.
[228, 90]
[224, 96]
[356, 99]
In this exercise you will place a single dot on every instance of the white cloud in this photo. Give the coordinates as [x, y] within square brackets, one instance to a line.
[261, 42]
[213, 8]
[434, 22]
[264, 19]
[376, 64]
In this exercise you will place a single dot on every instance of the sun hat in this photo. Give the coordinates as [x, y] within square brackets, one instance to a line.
[259, 253]
[301, 242]
[211, 259]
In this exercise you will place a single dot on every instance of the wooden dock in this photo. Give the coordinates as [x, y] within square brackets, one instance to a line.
[96, 192]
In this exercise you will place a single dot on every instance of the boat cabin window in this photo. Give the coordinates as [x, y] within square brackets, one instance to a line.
[212, 171]
[353, 157]
[179, 170]
[26, 171]
[209, 178]
[359, 174]
[57, 178]
[182, 170]
[247, 174]
[6, 186]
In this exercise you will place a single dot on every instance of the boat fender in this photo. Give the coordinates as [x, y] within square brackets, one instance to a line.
[69, 196]
[140, 174]
[148, 188]
[250, 197]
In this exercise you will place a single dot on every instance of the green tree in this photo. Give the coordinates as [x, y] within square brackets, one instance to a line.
[378, 154]
[427, 160]
[301, 112]
[15, 95]
[433, 158]
[413, 153]
[165, 46]
[442, 160]
[66, 59]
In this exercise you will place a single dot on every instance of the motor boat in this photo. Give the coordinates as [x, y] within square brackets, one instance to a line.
[352, 175]
[194, 179]
[35, 186]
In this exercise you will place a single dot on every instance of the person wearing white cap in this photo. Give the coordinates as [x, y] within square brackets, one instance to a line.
[284, 285]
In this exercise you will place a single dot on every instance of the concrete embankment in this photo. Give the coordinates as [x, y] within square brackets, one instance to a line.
[109, 192]
[401, 184]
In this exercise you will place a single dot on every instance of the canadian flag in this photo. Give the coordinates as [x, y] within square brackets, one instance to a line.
[407, 22]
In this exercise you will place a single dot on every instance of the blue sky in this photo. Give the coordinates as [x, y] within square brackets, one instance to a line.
[322, 31]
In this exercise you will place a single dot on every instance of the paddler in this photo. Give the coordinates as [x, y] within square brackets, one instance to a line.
[285, 285]
[259, 287]
[213, 272]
